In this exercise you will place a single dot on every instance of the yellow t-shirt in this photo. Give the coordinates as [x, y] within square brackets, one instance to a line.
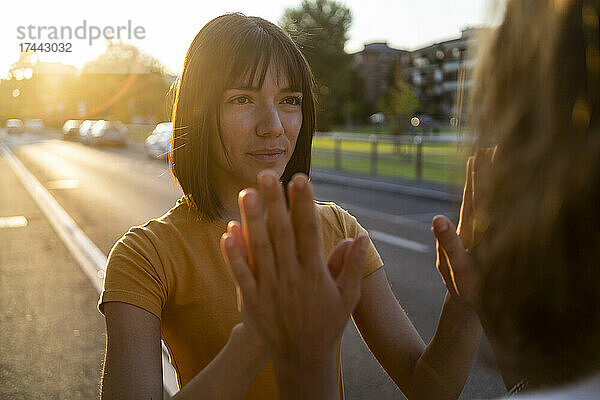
[172, 266]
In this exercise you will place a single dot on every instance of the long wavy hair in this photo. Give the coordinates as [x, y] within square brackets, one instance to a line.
[536, 94]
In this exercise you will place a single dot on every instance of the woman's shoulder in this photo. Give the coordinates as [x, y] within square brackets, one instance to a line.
[159, 228]
[334, 216]
[328, 210]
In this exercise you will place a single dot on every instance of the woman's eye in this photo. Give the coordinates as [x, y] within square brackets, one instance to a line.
[241, 100]
[293, 100]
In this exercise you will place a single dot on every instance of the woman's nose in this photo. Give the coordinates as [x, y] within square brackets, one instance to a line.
[269, 123]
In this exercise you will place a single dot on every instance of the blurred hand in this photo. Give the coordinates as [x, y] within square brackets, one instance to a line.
[473, 223]
[298, 304]
[454, 263]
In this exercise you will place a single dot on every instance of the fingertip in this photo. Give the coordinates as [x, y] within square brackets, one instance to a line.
[249, 198]
[363, 241]
[236, 230]
[227, 242]
[231, 225]
[300, 180]
[241, 195]
[267, 178]
[346, 245]
[439, 224]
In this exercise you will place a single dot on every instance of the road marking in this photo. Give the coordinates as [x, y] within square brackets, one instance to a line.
[13, 222]
[385, 217]
[398, 241]
[89, 257]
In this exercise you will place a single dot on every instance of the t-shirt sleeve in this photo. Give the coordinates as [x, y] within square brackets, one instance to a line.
[134, 274]
[352, 229]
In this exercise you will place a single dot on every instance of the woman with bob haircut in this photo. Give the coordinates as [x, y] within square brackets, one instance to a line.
[244, 104]
[530, 214]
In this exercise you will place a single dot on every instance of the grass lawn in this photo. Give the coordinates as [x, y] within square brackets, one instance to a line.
[442, 162]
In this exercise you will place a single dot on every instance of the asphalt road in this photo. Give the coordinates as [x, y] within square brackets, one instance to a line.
[107, 190]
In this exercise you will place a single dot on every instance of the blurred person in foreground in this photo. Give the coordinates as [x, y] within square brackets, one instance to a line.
[244, 103]
[530, 220]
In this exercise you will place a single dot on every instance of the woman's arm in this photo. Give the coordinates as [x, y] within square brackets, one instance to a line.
[437, 371]
[133, 363]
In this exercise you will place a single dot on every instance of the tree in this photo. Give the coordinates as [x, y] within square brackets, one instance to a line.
[35, 89]
[399, 102]
[122, 83]
[320, 28]
[119, 84]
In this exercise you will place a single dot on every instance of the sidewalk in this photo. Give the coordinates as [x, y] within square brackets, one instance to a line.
[428, 190]
[52, 338]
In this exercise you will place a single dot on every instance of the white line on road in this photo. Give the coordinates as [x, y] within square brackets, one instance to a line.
[91, 260]
[398, 241]
[385, 217]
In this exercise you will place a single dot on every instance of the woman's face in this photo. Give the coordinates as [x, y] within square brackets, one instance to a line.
[259, 127]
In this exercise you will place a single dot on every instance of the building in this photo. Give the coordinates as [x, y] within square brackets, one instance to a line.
[440, 75]
[375, 62]
[434, 72]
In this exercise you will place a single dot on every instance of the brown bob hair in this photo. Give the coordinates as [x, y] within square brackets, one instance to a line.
[536, 93]
[227, 50]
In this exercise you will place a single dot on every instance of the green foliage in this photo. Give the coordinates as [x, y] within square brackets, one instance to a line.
[399, 102]
[320, 28]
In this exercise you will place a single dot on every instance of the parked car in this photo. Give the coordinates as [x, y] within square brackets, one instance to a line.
[157, 143]
[35, 125]
[108, 133]
[71, 129]
[85, 130]
[14, 125]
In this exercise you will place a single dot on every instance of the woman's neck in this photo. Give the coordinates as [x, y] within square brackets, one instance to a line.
[229, 199]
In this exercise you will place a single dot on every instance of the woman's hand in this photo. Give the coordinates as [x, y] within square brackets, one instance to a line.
[454, 262]
[472, 223]
[289, 295]
[298, 304]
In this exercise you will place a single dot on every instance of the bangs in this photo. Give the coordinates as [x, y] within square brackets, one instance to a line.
[250, 58]
[230, 51]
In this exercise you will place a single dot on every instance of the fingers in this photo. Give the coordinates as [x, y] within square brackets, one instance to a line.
[335, 263]
[443, 266]
[482, 167]
[260, 252]
[457, 259]
[239, 268]
[350, 276]
[278, 223]
[235, 230]
[306, 222]
[465, 222]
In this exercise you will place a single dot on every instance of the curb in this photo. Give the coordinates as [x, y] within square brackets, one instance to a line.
[371, 184]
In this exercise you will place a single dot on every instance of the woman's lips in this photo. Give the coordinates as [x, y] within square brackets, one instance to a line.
[267, 156]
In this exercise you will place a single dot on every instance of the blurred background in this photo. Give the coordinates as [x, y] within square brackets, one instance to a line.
[84, 129]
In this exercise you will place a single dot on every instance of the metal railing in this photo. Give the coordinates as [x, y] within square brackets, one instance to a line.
[388, 154]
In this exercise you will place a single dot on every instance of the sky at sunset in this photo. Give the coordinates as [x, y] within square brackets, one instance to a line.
[169, 27]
